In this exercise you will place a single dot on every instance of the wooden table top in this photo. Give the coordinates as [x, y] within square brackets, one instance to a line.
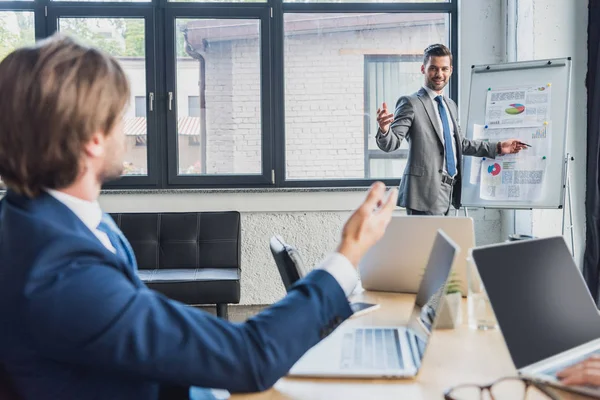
[454, 356]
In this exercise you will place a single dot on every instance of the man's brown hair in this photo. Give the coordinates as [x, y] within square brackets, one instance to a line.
[436, 50]
[54, 97]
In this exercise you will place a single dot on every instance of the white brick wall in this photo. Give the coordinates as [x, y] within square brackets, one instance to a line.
[324, 104]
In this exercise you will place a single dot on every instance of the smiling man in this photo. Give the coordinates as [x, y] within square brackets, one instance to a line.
[428, 119]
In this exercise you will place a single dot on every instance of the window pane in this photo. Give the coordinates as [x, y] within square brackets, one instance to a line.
[218, 1]
[194, 106]
[118, 1]
[381, 168]
[123, 38]
[140, 106]
[218, 62]
[338, 69]
[16, 30]
[366, 1]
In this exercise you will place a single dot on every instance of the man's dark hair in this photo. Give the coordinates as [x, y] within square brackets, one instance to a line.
[436, 50]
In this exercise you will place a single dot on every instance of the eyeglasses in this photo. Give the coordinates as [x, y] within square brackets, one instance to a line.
[511, 388]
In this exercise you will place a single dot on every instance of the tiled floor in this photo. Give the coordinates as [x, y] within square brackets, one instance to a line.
[237, 313]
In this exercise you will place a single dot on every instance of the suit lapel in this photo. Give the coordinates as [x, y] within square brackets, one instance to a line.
[453, 116]
[431, 112]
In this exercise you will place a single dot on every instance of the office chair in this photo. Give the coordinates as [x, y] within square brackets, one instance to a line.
[288, 261]
[290, 266]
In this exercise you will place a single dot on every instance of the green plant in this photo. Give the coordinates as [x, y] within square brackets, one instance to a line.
[454, 284]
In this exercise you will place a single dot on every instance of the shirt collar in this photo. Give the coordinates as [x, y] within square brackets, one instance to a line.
[89, 212]
[432, 93]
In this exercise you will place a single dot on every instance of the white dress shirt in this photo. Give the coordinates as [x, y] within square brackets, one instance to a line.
[433, 94]
[90, 214]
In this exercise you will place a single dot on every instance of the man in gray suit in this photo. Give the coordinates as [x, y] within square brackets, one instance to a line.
[428, 121]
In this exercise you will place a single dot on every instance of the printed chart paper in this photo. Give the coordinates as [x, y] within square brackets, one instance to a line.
[518, 107]
[518, 179]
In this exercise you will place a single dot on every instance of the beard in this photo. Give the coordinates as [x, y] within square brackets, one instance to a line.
[113, 163]
[111, 171]
[431, 84]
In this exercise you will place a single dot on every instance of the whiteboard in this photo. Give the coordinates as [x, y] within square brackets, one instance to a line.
[553, 74]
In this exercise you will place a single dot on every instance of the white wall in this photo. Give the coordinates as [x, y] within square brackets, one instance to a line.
[560, 29]
[550, 29]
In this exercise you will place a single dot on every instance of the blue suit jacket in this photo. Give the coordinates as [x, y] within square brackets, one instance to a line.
[77, 323]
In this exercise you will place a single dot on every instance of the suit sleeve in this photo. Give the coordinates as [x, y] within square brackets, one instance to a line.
[90, 314]
[478, 148]
[403, 119]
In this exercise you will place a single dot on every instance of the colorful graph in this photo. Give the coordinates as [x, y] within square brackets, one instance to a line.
[540, 133]
[494, 170]
[515, 109]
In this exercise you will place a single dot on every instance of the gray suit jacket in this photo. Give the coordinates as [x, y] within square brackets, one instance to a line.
[415, 121]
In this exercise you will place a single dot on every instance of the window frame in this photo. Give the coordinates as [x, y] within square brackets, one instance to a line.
[377, 154]
[160, 15]
[57, 10]
[261, 14]
[450, 8]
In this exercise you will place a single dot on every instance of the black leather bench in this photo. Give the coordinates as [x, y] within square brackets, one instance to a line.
[190, 257]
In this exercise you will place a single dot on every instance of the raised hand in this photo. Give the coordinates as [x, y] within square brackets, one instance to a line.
[368, 223]
[384, 118]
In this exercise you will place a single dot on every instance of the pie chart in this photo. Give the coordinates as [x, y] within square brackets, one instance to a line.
[515, 109]
[494, 169]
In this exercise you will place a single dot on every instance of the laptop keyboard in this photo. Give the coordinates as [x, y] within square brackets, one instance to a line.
[557, 368]
[372, 348]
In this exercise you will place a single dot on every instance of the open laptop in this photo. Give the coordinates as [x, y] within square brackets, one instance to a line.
[395, 263]
[543, 306]
[379, 351]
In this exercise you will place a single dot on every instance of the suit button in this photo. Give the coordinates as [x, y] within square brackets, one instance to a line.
[337, 321]
[440, 171]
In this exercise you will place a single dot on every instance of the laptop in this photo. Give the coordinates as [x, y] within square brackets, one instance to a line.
[385, 351]
[543, 306]
[395, 263]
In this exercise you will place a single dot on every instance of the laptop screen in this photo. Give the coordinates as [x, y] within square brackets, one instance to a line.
[431, 289]
[539, 297]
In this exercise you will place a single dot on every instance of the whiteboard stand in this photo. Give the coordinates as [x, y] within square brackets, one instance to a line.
[567, 193]
[456, 210]
[523, 76]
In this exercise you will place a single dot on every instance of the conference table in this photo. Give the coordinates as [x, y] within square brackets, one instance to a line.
[454, 356]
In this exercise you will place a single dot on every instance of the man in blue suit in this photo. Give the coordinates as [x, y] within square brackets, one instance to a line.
[76, 322]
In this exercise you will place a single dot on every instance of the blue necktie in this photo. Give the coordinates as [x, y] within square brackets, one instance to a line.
[450, 163]
[117, 239]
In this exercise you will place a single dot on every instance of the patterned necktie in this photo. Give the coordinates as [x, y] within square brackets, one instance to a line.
[450, 163]
[117, 239]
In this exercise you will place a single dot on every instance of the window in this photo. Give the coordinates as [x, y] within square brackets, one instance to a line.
[219, 61]
[140, 141]
[140, 106]
[123, 38]
[194, 106]
[16, 30]
[338, 69]
[386, 77]
[279, 93]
